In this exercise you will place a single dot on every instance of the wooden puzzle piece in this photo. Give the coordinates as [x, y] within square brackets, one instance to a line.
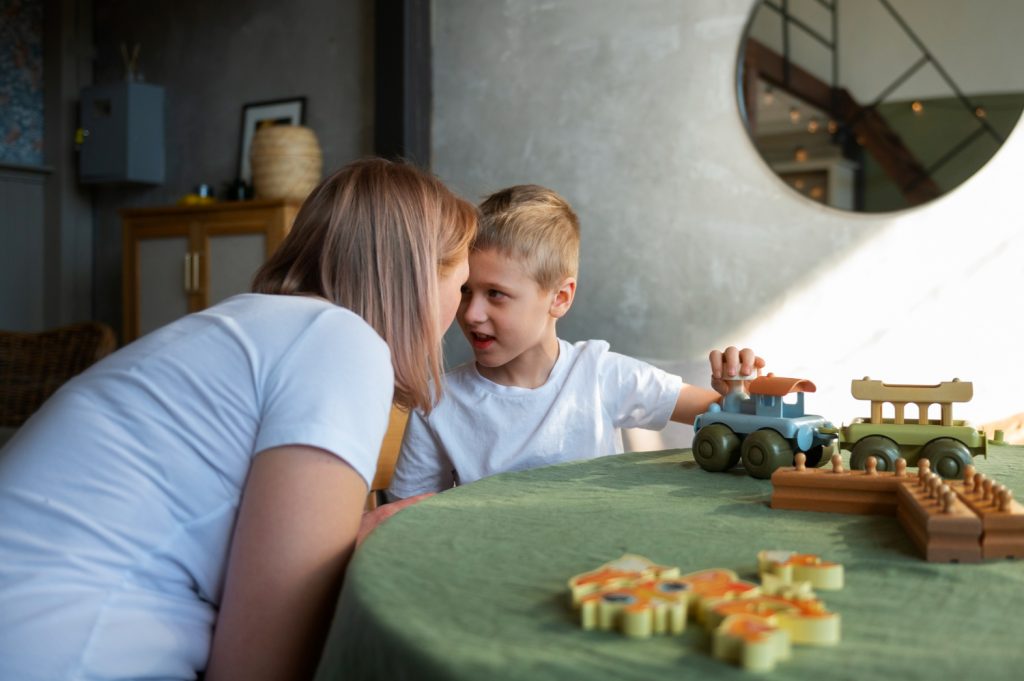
[948, 520]
[755, 643]
[942, 527]
[1002, 518]
[623, 571]
[754, 629]
[806, 620]
[714, 585]
[655, 606]
[835, 489]
[792, 567]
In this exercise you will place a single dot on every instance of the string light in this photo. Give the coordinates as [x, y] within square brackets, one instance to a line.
[832, 127]
[917, 107]
[794, 115]
[769, 95]
[980, 112]
[813, 125]
[800, 154]
[798, 184]
[817, 192]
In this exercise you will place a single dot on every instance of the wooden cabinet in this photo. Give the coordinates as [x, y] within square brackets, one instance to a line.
[179, 259]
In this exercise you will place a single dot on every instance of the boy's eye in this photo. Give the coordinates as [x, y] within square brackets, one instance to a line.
[494, 293]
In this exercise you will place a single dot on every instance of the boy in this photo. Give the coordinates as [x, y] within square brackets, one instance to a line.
[530, 399]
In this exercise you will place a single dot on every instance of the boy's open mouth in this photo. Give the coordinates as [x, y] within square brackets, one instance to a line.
[480, 341]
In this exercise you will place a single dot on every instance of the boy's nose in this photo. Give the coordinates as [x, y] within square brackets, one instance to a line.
[473, 309]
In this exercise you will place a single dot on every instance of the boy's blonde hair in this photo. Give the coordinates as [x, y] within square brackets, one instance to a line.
[535, 226]
[373, 238]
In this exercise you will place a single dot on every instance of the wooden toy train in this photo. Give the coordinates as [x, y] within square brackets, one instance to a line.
[761, 429]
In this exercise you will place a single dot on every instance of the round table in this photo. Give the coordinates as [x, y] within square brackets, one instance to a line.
[471, 583]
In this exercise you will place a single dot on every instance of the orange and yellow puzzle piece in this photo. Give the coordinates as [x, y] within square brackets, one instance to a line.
[792, 567]
[634, 595]
[751, 641]
[751, 625]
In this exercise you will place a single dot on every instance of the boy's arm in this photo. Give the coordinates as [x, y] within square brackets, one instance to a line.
[694, 401]
[423, 465]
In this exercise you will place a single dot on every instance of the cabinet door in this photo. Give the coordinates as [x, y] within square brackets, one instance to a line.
[233, 246]
[160, 275]
[232, 260]
[164, 275]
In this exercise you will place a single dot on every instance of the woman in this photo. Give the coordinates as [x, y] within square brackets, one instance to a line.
[191, 501]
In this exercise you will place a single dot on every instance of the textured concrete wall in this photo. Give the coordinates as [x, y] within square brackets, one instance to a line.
[689, 241]
[214, 57]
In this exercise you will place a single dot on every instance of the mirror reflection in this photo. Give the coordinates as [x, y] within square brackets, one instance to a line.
[880, 105]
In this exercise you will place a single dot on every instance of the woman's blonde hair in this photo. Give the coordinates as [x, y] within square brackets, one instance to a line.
[373, 238]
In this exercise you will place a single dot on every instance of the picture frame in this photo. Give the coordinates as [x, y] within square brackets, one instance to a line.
[290, 111]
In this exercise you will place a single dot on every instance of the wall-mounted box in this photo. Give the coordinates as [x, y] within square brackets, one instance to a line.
[122, 135]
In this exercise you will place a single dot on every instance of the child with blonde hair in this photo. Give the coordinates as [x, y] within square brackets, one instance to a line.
[529, 398]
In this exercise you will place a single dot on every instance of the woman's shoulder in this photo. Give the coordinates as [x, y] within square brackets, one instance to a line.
[294, 314]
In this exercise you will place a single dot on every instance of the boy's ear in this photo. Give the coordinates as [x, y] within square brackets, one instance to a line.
[564, 295]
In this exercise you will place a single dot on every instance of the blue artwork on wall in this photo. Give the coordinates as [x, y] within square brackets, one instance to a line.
[21, 82]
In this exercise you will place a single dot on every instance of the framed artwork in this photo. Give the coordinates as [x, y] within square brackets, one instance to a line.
[258, 114]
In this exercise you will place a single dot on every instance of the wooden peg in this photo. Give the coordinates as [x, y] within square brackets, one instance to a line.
[969, 477]
[979, 482]
[1006, 500]
[997, 494]
[924, 467]
[871, 465]
[901, 467]
[947, 500]
[837, 463]
[800, 461]
[986, 489]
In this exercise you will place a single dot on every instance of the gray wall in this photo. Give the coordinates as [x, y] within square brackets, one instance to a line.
[689, 241]
[214, 57]
[45, 216]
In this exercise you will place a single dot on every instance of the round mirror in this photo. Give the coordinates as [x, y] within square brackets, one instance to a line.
[880, 105]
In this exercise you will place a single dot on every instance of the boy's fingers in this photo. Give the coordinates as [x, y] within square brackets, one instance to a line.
[716, 363]
[749, 362]
[371, 519]
[732, 360]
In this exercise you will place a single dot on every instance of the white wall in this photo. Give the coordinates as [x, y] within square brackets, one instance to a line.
[689, 241]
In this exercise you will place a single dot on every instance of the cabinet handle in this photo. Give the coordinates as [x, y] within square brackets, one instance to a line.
[188, 273]
[195, 273]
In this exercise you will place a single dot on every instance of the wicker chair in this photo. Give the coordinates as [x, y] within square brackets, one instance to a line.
[34, 365]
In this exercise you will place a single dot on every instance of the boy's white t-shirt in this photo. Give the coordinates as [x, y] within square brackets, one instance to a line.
[118, 498]
[480, 428]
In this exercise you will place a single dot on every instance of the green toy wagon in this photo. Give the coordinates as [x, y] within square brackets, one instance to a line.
[949, 444]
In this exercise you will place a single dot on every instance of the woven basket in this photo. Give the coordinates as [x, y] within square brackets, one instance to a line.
[286, 162]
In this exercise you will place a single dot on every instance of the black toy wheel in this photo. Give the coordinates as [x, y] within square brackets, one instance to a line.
[763, 451]
[885, 451]
[948, 457]
[716, 448]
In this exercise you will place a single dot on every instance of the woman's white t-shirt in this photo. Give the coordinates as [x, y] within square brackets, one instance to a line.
[119, 497]
[480, 428]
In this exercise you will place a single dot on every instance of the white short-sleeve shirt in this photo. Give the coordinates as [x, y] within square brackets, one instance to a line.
[118, 498]
[480, 428]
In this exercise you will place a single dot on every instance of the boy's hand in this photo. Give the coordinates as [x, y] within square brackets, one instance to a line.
[371, 519]
[730, 363]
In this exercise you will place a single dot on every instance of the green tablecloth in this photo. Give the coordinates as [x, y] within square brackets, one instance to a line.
[471, 584]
